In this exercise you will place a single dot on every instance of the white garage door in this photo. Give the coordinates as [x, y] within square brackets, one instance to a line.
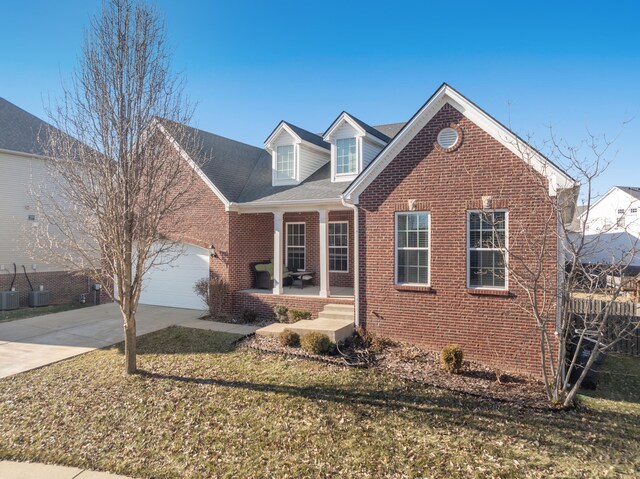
[173, 285]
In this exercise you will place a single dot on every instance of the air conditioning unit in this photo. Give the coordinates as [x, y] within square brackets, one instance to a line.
[9, 300]
[38, 298]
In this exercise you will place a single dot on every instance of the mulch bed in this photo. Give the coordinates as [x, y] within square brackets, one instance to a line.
[419, 365]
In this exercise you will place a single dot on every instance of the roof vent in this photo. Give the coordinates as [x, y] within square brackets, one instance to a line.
[447, 138]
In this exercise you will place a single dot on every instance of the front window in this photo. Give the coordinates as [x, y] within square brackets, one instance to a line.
[285, 162]
[412, 248]
[487, 247]
[339, 247]
[295, 246]
[346, 156]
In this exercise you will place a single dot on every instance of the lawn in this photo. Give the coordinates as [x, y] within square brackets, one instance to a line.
[204, 408]
[23, 313]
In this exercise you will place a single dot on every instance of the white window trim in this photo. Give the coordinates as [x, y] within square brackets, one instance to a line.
[274, 176]
[357, 162]
[506, 250]
[286, 231]
[348, 265]
[334, 159]
[395, 249]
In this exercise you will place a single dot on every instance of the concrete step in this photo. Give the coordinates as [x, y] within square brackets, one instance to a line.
[336, 329]
[336, 315]
[339, 307]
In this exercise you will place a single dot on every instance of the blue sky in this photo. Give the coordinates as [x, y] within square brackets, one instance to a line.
[574, 65]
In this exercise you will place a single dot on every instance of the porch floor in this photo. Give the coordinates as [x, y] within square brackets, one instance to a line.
[335, 292]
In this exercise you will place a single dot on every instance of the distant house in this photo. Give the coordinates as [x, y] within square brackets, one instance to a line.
[22, 167]
[379, 223]
[612, 227]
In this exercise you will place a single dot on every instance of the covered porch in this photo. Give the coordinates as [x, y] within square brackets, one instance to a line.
[309, 251]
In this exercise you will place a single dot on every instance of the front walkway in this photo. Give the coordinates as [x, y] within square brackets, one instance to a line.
[34, 342]
[31, 470]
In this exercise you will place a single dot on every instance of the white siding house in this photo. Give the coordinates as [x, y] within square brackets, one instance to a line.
[612, 227]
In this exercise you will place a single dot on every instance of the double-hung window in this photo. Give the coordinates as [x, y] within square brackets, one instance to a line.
[296, 246]
[487, 237]
[285, 162]
[346, 158]
[412, 248]
[339, 247]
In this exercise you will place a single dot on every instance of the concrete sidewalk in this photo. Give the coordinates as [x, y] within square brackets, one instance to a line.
[34, 342]
[31, 470]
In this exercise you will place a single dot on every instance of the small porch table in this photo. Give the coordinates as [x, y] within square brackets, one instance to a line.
[302, 276]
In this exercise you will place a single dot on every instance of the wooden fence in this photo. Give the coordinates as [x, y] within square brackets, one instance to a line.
[621, 315]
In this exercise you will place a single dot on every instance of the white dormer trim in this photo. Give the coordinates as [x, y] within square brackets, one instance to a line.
[307, 156]
[361, 135]
[271, 145]
[558, 179]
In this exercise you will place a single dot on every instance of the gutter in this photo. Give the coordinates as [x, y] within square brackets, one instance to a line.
[356, 259]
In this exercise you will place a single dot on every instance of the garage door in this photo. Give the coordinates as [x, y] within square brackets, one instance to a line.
[173, 285]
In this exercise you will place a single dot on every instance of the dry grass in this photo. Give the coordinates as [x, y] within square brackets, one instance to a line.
[205, 409]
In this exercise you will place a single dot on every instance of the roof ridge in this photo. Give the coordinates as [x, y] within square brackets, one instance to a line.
[214, 134]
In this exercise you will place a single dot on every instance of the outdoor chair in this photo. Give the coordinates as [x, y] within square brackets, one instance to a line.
[263, 275]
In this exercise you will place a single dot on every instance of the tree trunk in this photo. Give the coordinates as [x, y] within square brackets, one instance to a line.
[130, 344]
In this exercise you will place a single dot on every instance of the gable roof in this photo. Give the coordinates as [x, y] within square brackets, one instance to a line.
[559, 179]
[20, 130]
[365, 127]
[631, 190]
[226, 163]
[301, 133]
[390, 129]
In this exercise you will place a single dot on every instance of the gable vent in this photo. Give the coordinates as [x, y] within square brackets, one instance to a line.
[447, 138]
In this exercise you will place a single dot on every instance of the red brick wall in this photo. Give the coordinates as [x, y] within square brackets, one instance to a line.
[251, 242]
[491, 329]
[263, 303]
[63, 286]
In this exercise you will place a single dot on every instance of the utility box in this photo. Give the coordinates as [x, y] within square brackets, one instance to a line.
[9, 300]
[38, 298]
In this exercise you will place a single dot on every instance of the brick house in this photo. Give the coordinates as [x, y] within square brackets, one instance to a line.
[385, 218]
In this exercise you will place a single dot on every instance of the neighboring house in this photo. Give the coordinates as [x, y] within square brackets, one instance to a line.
[22, 167]
[612, 228]
[383, 216]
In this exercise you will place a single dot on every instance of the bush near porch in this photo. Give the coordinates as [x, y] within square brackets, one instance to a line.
[206, 409]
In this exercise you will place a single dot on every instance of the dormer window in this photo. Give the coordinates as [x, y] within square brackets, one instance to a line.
[346, 156]
[285, 162]
[354, 144]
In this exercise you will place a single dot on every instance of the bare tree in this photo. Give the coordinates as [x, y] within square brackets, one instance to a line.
[572, 338]
[118, 180]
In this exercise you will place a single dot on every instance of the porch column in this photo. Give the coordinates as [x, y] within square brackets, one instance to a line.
[324, 254]
[277, 252]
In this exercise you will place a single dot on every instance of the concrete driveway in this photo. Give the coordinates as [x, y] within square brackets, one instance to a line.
[33, 342]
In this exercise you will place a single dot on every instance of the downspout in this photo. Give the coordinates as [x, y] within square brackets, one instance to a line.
[356, 259]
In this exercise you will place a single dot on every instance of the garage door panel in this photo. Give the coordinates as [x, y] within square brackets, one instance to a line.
[172, 285]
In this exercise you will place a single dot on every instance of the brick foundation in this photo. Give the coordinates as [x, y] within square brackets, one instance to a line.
[63, 286]
[263, 303]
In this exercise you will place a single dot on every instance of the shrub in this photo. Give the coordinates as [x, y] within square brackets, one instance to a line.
[451, 358]
[372, 342]
[298, 315]
[289, 338]
[315, 343]
[215, 293]
[281, 313]
[249, 316]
